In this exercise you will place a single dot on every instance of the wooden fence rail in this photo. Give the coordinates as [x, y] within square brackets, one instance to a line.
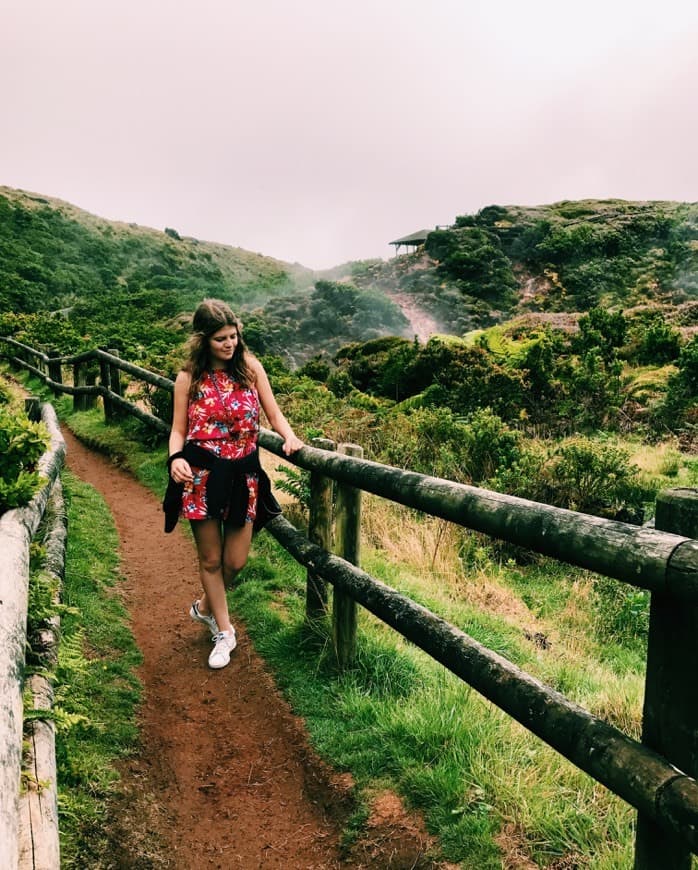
[641, 777]
[657, 776]
[17, 529]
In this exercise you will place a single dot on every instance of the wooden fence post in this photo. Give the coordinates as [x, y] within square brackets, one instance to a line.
[90, 399]
[55, 370]
[79, 380]
[670, 715]
[115, 382]
[105, 378]
[319, 532]
[348, 537]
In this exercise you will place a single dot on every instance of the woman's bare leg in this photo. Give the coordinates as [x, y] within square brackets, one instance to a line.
[236, 548]
[209, 546]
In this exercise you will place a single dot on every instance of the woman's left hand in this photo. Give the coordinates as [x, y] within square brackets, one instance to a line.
[291, 444]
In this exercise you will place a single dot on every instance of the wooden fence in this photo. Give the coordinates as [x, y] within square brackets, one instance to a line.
[655, 776]
[29, 816]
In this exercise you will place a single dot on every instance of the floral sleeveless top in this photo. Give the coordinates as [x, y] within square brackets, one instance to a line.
[223, 417]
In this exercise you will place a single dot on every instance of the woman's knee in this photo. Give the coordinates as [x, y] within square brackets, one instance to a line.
[211, 563]
[232, 565]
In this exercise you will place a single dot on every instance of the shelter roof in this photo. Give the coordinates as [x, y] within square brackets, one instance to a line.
[417, 238]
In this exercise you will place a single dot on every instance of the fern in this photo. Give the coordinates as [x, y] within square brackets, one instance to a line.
[296, 483]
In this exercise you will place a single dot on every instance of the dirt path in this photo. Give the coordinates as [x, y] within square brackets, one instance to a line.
[223, 755]
[225, 778]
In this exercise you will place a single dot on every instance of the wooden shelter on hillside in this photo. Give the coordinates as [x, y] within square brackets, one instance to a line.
[414, 240]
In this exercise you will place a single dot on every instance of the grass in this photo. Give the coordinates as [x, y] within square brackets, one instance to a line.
[96, 692]
[397, 720]
[664, 462]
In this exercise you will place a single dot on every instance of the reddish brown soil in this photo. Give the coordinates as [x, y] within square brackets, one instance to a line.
[224, 777]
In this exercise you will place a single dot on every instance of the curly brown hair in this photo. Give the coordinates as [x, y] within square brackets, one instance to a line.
[210, 316]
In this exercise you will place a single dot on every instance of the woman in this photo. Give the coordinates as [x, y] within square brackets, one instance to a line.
[216, 480]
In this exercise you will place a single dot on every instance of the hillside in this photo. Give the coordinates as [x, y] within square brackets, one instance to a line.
[58, 259]
[535, 267]
[571, 379]
[506, 261]
[53, 254]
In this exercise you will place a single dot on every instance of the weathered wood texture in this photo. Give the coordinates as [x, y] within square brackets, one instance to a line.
[39, 847]
[670, 712]
[61, 388]
[110, 398]
[144, 416]
[348, 546]
[55, 370]
[136, 371]
[635, 773]
[115, 382]
[79, 380]
[320, 523]
[634, 554]
[17, 528]
[26, 349]
[105, 381]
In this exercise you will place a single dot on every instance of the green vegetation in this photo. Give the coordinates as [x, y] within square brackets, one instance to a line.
[96, 692]
[70, 281]
[21, 445]
[55, 256]
[505, 261]
[572, 380]
[540, 380]
[330, 315]
[447, 752]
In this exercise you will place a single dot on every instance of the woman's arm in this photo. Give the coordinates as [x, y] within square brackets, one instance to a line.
[179, 468]
[274, 414]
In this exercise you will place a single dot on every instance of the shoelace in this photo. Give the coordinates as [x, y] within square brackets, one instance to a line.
[216, 638]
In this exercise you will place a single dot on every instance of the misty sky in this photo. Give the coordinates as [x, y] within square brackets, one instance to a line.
[318, 131]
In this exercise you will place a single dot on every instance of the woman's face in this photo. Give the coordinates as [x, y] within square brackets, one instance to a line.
[222, 346]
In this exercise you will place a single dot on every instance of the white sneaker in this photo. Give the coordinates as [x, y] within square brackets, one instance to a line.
[207, 619]
[224, 643]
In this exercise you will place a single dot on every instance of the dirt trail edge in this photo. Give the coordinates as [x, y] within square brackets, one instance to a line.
[225, 777]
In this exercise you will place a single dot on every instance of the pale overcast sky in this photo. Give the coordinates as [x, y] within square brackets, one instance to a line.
[318, 131]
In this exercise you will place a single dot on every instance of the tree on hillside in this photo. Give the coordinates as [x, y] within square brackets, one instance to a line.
[473, 258]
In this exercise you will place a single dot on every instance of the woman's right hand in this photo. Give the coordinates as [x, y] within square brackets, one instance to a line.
[180, 471]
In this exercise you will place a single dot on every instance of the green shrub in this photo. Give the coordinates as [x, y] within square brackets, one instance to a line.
[660, 343]
[621, 614]
[489, 444]
[21, 445]
[582, 474]
[340, 384]
[678, 411]
[596, 477]
[316, 368]
[427, 440]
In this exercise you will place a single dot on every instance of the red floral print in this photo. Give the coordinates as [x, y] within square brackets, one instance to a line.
[223, 417]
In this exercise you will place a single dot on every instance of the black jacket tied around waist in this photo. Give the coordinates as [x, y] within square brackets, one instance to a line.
[226, 488]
